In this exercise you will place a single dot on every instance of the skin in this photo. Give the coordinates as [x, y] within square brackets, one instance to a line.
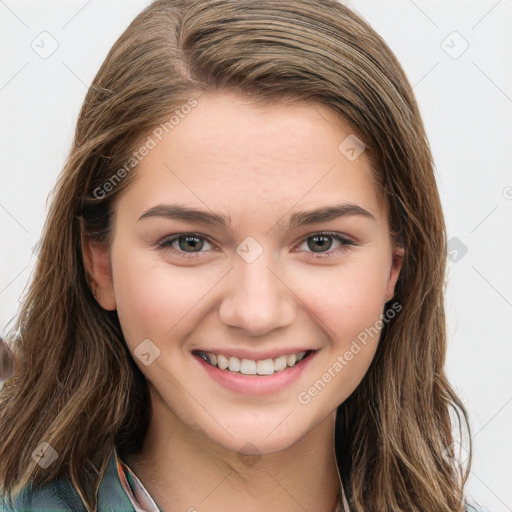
[266, 163]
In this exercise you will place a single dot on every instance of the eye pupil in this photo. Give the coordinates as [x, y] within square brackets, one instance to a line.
[314, 246]
[186, 242]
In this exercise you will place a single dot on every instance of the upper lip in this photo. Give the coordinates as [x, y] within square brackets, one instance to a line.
[256, 356]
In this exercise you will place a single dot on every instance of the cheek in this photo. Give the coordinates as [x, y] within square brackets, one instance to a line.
[361, 299]
[154, 297]
[350, 309]
[348, 297]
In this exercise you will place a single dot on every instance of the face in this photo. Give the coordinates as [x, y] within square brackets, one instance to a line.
[254, 281]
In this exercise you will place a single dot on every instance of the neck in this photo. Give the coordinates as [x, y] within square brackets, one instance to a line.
[183, 469]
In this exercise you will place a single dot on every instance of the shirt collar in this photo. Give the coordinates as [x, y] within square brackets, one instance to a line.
[132, 486]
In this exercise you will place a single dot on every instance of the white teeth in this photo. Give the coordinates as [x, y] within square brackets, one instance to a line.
[265, 367]
[234, 364]
[222, 362]
[250, 366]
[280, 363]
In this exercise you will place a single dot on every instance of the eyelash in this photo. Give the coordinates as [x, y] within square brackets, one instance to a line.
[346, 244]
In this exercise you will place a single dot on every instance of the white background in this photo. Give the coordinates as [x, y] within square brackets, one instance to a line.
[466, 102]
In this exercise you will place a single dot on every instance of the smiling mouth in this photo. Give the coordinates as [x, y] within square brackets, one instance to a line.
[250, 366]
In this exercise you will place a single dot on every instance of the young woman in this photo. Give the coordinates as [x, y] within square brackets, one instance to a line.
[238, 303]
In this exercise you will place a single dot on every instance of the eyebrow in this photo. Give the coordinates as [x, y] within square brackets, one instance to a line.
[298, 219]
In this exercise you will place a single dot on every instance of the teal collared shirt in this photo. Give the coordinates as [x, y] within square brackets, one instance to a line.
[61, 496]
[120, 491]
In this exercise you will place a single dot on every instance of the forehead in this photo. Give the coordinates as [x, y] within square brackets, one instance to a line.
[234, 154]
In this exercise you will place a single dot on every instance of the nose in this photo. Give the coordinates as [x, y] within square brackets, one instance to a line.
[258, 300]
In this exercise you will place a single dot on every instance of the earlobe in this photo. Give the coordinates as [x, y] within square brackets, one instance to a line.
[97, 263]
[396, 266]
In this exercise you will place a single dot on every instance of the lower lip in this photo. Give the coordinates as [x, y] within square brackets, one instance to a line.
[256, 384]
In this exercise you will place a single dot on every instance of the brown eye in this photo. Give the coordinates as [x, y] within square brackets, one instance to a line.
[321, 243]
[193, 242]
[318, 243]
[187, 244]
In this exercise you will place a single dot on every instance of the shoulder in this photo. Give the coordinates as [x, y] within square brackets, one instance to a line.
[58, 496]
[61, 496]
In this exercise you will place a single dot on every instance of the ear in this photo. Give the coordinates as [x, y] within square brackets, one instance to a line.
[394, 272]
[97, 264]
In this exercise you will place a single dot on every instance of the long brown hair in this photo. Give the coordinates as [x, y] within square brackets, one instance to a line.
[76, 385]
